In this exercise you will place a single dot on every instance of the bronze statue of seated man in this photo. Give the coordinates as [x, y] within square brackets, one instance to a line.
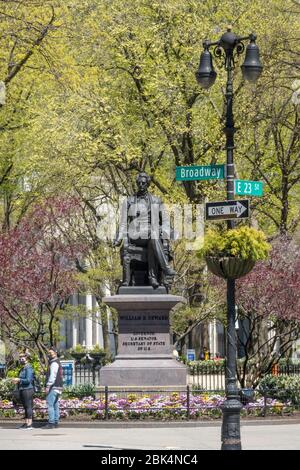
[145, 252]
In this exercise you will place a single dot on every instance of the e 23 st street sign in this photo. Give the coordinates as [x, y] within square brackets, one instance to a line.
[248, 188]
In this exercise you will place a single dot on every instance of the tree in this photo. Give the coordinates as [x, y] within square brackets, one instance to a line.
[269, 304]
[138, 106]
[31, 55]
[38, 273]
[273, 151]
[111, 91]
[202, 304]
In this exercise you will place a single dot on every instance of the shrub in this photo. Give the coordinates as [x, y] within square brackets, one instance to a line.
[79, 391]
[282, 387]
[97, 350]
[206, 366]
[6, 388]
[79, 349]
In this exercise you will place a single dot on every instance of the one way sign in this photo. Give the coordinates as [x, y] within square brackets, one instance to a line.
[227, 210]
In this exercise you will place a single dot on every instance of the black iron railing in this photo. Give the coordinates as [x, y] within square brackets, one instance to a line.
[211, 377]
[190, 403]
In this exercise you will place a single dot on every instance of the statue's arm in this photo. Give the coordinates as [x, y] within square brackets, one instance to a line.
[167, 231]
[164, 222]
[122, 230]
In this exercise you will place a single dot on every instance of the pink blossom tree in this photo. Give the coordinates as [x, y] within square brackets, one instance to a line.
[268, 301]
[38, 271]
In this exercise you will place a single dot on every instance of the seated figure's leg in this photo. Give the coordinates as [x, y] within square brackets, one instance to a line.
[152, 267]
[159, 254]
[126, 270]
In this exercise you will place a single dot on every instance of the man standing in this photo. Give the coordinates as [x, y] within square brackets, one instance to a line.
[54, 386]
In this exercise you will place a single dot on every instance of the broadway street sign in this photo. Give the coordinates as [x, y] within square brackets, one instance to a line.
[227, 210]
[248, 188]
[193, 173]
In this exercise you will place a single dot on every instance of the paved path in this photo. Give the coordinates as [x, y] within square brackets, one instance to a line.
[273, 437]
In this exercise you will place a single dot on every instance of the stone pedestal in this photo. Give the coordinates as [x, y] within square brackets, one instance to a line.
[144, 349]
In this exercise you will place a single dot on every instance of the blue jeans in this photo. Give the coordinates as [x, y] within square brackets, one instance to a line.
[53, 406]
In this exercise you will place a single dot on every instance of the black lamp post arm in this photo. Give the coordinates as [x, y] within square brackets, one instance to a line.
[207, 43]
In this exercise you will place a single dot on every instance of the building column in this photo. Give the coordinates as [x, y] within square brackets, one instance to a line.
[98, 324]
[75, 324]
[63, 334]
[110, 324]
[213, 338]
[89, 322]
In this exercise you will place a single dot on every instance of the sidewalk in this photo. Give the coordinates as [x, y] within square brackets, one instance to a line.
[118, 424]
[196, 437]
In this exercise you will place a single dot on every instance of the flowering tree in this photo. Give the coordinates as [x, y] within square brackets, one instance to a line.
[38, 271]
[268, 302]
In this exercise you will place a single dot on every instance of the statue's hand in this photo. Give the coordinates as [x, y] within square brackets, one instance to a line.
[116, 242]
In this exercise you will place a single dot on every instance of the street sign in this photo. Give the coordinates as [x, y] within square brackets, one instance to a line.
[248, 188]
[68, 368]
[191, 354]
[227, 210]
[194, 173]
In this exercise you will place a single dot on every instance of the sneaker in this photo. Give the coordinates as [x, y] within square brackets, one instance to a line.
[49, 426]
[22, 426]
[28, 427]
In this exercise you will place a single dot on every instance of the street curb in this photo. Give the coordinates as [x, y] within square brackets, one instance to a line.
[156, 424]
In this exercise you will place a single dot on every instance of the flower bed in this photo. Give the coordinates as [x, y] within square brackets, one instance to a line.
[157, 407]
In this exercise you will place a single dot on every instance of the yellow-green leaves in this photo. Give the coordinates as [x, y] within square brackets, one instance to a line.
[243, 242]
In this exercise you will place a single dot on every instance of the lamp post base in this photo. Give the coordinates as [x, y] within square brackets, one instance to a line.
[231, 436]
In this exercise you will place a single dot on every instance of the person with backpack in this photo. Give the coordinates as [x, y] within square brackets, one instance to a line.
[25, 385]
[54, 386]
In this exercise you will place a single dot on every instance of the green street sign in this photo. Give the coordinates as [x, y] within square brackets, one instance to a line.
[193, 173]
[248, 188]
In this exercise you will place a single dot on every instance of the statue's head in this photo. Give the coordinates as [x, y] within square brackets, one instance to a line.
[143, 181]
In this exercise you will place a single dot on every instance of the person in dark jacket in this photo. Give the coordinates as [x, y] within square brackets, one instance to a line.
[25, 383]
[54, 386]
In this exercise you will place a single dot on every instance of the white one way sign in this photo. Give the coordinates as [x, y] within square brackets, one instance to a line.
[227, 210]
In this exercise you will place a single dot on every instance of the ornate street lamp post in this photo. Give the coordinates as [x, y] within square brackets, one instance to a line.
[228, 48]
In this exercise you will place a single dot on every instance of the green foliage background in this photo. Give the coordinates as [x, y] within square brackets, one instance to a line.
[98, 90]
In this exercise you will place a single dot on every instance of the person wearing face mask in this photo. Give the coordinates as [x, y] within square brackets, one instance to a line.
[25, 383]
[54, 386]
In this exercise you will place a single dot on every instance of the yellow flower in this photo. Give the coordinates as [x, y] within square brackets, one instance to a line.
[131, 397]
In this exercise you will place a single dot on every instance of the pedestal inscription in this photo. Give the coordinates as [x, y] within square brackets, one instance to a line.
[144, 349]
[144, 333]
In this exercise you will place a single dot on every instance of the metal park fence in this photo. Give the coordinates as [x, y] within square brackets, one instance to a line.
[87, 373]
[165, 404]
[212, 377]
[199, 375]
